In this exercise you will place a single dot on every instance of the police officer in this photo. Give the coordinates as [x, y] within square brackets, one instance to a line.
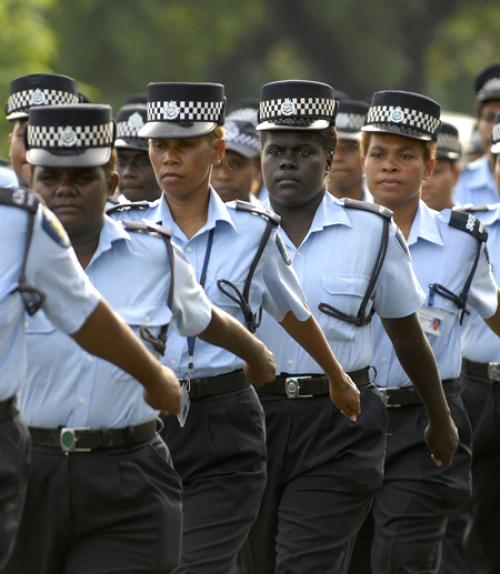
[476, 184]
[98, 463]
[40, 269]
[25, 92]
[220, 452]
[346, 176]
[450, 261]
[481, 379]
[322, 469]
[137, 179]
[437, 190]
[238, 175]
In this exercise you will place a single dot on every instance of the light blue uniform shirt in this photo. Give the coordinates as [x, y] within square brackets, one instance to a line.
[476, 184]
[8, 178]
[237, 235]
[440, 254]
[53, 269]
[334, 264]
[67, 386]
[479, 342]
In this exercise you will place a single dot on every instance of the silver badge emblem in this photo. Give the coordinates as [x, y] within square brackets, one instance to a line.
[231, 130]
[38, 98]
[171, 110]
[470, 223]
[396, 115]
[18, 196]
[288, 108]
[67, 137]
[135, 121]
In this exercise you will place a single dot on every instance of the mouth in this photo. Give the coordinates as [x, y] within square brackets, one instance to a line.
[389, 183]
[65, 208]
[287, 180]
[170, 176]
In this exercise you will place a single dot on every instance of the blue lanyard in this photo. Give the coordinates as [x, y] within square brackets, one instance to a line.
[192, 340]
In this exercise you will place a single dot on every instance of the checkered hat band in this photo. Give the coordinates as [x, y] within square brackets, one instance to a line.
[448, 142]
[20, 101]
[55, 137]
[125, 130]
[188, 111]
[245, 140]
[349, 122]
[395, 115]
[495, 134]
[302, 107]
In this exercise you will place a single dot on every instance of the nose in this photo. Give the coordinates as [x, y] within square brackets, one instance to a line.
[389, 164]
[288, 160]
[65, 186]
[170, 156]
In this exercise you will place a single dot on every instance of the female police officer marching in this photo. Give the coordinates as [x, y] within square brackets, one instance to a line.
[39, 270]
[103, 495]
[449, 259]
[351, 261]
[220, 453]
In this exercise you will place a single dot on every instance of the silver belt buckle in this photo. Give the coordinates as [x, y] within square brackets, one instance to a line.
[69, 441]
[384, 395]
[292, 388]
[494, 371]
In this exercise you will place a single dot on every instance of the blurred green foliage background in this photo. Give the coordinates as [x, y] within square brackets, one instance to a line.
[115, 47]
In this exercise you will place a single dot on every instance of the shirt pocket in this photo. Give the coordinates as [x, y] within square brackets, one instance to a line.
[344, 293]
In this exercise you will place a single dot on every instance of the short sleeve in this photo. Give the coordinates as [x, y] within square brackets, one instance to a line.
[283, 293]
[398, 292]
[191, 309]
[483, 295]
[53, 267]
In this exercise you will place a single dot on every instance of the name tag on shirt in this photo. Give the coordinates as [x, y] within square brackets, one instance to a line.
[432, 320]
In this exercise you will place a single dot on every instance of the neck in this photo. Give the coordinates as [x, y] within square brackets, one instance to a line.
[404, 215]
[296, 220]
[190, 213]
[85, 243]
[352, 192]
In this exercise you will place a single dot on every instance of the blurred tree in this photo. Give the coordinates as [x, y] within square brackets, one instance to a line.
[26, 46]
[468, 43]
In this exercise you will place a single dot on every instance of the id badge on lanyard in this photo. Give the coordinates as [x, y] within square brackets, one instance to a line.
[186, 385]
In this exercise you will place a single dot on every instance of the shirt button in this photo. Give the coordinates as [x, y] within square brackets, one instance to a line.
[173, 362]
[89, 358]
[82, 400]
[384, 359]
[291, 361]
[26, 324]
[147, 318]
[189, 249]
[298, 254]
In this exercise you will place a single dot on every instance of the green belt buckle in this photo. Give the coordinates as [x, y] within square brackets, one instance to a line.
[69, 441]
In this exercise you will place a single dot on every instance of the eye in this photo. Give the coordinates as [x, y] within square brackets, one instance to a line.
[407, 156]
[375, 154]
[274, 151]
[304, 152]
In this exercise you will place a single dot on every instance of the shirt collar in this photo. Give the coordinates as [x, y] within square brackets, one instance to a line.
[111, 231]
[425, 226]
[217, 212]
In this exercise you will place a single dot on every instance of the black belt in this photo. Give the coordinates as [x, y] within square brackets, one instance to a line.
[407, 396]
[307, 386]
[8, 409]
[85, 440]
[489, 371]
[234, 381]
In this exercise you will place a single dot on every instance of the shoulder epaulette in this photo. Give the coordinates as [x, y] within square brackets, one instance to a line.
[367, 206]
[18, 197]
[252, 208]
[145, 226]
[469, 224]
[132, 206]
[471, 208]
